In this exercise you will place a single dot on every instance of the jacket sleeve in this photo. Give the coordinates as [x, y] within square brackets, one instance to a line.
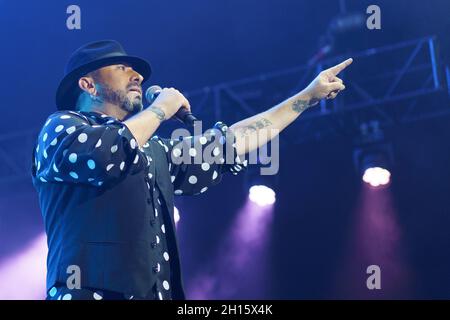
[71, 150]
[198, 162]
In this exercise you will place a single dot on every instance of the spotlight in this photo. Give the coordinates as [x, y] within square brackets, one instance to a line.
[374, 164]
[261, 195]
[260, 188]
[376, 176]
[373, 159]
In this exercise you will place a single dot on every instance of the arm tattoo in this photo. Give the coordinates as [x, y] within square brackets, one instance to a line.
[301, 105]
[245, 131]
[158, 112]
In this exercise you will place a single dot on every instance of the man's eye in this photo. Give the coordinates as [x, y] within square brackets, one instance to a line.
[122, 67]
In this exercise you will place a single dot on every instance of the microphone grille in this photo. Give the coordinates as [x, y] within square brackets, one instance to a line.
[152, 92]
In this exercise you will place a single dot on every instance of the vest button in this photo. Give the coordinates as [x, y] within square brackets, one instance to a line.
[149, 201]
[152, 222]
[156, 268]
[153, 244]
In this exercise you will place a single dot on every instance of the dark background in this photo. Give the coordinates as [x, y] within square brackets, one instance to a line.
[199, 43]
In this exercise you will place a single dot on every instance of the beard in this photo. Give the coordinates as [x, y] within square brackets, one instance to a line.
[120, 98]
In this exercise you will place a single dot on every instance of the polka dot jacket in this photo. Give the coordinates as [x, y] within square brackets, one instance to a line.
[107, 203]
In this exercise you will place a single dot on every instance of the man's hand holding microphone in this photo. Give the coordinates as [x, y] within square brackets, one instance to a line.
[164, 104]
[167, 103]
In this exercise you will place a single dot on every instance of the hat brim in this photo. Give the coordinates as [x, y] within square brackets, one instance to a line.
[68, 92]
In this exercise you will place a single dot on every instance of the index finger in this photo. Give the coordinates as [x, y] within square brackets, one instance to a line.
[341, 66]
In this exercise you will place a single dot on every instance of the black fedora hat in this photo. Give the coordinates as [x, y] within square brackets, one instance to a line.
[90, 57]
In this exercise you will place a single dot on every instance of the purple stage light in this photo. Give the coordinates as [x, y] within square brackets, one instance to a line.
[262, 195]
[244, 248]
[22, 276]
[377, 176]
[376, 239]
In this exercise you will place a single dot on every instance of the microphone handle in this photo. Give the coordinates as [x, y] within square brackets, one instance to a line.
[185, 116]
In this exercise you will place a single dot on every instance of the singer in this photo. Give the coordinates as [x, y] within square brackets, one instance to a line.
[106, 183]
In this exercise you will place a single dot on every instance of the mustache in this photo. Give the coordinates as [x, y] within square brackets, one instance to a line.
[134, 86]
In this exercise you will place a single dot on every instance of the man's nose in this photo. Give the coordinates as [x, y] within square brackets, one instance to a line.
[136, 77]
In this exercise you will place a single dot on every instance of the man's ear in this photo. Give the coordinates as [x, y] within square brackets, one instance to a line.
[87, 85]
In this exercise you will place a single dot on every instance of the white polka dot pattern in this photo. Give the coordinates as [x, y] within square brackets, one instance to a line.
[82, 138]
[67, 296]
[166, 256]
[190, 178]
[72, 149]
[52, 292]
[98, 296]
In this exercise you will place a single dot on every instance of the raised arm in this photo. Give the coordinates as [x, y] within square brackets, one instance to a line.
[257, 130]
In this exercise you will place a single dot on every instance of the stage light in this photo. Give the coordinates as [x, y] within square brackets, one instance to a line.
[261, 195]
[261, 188]
[376, 176]
[375, 166]
[374, 157]
[21, 274]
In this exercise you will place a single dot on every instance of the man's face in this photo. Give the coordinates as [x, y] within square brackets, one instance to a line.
[120, 85]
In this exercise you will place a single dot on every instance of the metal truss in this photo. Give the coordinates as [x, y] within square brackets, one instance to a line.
[392, 85]
[395, 84]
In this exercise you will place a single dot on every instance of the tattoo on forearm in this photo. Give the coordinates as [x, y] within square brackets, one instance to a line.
[158, 112]
[301, 105]
[245, 131]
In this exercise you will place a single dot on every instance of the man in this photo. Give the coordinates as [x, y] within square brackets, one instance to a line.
[106, 186]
